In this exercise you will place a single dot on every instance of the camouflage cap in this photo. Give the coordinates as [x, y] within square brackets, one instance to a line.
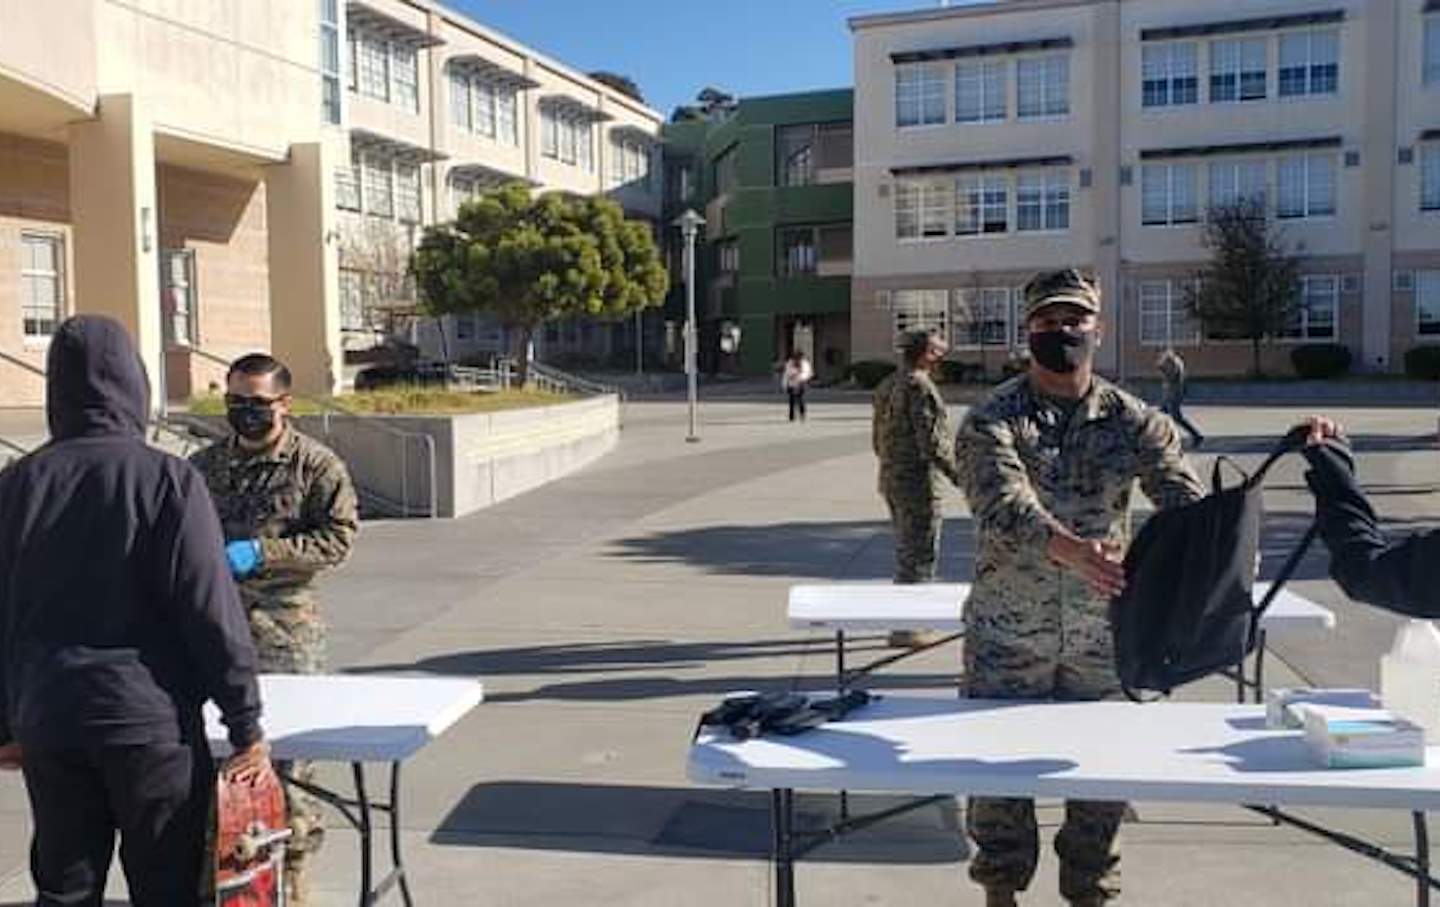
[1067, 287]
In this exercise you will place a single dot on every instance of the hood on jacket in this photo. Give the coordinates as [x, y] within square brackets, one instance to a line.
[95, 382]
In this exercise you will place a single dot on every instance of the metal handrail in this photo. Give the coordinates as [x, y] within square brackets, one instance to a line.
[329, 407]
[21, 363]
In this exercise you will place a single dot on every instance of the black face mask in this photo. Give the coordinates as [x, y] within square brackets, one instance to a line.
[252, 423]
[1062, 352]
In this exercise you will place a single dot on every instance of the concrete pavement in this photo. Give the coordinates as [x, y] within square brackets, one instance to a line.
[604, 612]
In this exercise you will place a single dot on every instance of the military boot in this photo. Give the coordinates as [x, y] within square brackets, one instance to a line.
[999, 897]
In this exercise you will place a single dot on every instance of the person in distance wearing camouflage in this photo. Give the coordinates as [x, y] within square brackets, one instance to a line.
[1047, 463]
[912, 438]
[289, 512]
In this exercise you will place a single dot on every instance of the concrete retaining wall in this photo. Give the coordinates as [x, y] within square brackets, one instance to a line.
[480, 459]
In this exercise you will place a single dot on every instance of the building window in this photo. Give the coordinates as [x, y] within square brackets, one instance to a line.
[330, 60]
[177, 275]
[726, 177]
[1309, 63]
[729, 256]
[982, 204]
[1165, 318]
[483, 94]
[630, 160]
[1170, 74]
[374, 67]
[1234, 181]
[404, 79]
[1043, 86]
[379, 197]
[461, 191]
[919, 94]
[460, 105]
[566, 139]
[506, 115]
[1317, 315]
[797, 252]
[1042, 201]
[1427, 303]
[1238, 70]
[1430, 178]
[795, 155]
[42, 284]
[407, 193]
[981, 318]
[920, 310]
[922, 208]
[347, 184]
[1430, 72]
[1168, 194]
[1305, 186]
[981, 92]
[352, 301]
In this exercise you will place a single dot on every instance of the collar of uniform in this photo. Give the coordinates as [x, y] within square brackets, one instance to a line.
[281, 450]
[1091, 407]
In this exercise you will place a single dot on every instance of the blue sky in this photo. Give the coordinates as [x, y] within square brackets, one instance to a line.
[673, 48]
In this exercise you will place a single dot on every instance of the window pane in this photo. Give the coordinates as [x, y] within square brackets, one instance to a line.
[1431, 65]
[1030, 202]
[460, 100]
[920, 310]
[378, 197]
[1154, 194]
[1430, 178]
[407, 92]
[505, 116]
[1290, 187]
[1184, 193]
[965, 318]
[907, 210]
[935, 209]
[484, 100]
[41, 284]
[1057, 201]
[1320, 191]
[1154, 312]
[1030, 88]
[968, 202]
[374, 68]
[407, 193]
[1427, 302]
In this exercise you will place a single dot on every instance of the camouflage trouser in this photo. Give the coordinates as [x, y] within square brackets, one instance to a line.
[916, 518]
[290, 639]
[1030, 652]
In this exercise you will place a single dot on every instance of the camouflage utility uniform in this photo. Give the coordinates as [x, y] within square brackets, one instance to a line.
[296, 498]
[1029, 462]
[912, 438]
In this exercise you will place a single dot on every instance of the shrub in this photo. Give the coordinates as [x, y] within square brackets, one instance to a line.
[1320, 360]
[1423, 362]
[868, 373]
[952, 372]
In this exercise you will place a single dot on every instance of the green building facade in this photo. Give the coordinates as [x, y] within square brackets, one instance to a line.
[773, 178]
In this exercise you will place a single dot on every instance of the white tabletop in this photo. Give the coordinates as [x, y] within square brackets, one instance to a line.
[353, 718]
[1178, 752]
[938, 606]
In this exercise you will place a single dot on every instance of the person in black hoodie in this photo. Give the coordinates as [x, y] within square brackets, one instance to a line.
[1397, 574]
[118, 619]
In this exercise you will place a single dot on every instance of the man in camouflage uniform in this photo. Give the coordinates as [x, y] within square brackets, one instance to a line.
[288, 511]
[1048, 463]
[912, 438]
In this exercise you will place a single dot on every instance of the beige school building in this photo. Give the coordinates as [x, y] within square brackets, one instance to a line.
[999, 139]
[231, 175]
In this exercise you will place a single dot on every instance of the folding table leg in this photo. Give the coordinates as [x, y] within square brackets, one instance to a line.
[841, 688]
[365, 827]
[782, 819]
[1422, 860]
[397, 859]
[1260, 667]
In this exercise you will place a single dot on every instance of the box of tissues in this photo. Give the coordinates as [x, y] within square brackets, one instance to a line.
[1339, 737]
[1281, 704]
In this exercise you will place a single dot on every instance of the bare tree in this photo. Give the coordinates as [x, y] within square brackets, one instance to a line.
[1250, 289]
[379, 250]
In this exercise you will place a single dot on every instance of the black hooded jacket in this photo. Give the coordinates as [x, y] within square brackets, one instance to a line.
[1401, 575]
[118, 615]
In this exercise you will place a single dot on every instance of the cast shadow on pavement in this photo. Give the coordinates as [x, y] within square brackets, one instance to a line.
[1360, 444]
[836, 550]
[687, 822]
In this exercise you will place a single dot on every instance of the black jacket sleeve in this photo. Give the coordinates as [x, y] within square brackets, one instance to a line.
[194, 577]
[1401, 576]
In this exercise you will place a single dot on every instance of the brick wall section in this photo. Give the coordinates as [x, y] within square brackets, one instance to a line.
[34, 196]
[223, 220]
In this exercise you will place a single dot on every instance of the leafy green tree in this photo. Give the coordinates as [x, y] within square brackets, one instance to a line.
[1250, 289]
[525, 260]
[620, 82]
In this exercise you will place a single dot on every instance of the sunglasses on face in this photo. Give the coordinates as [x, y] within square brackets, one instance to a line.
[240, 401]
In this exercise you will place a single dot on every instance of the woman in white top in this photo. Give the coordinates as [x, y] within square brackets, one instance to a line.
[796, 378]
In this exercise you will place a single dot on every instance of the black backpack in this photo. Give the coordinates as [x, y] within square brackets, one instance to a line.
[1188, 609]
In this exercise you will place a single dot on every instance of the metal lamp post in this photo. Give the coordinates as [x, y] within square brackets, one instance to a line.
[690, 224]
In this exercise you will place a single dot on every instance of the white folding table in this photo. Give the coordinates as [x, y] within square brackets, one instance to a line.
[356, 719]
[1175, 752]
[861, 606]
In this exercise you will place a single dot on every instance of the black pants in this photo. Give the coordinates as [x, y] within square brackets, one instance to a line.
[157, 797]
[797, 403]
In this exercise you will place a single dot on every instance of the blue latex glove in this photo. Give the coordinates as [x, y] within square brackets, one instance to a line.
[244, 557]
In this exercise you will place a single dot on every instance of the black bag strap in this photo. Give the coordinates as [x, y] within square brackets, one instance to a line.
[1216, 485]
[1292, 442]
[1287, 570]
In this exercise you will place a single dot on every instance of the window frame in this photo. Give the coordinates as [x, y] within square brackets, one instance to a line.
[1422, 278]
[1167, 74]
[1430, 177]
[374, 52]
[1054, 103]
[373, 189]
[1052, 197]
[28, 310]
[986, 78]
[980, 204]
[1310, 210]
[1173, 313]
[928, 81]
[1303, 330]
[1170, 170]
[1312, 73]
[1237, 70]
[404, 92]
[927, 316]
